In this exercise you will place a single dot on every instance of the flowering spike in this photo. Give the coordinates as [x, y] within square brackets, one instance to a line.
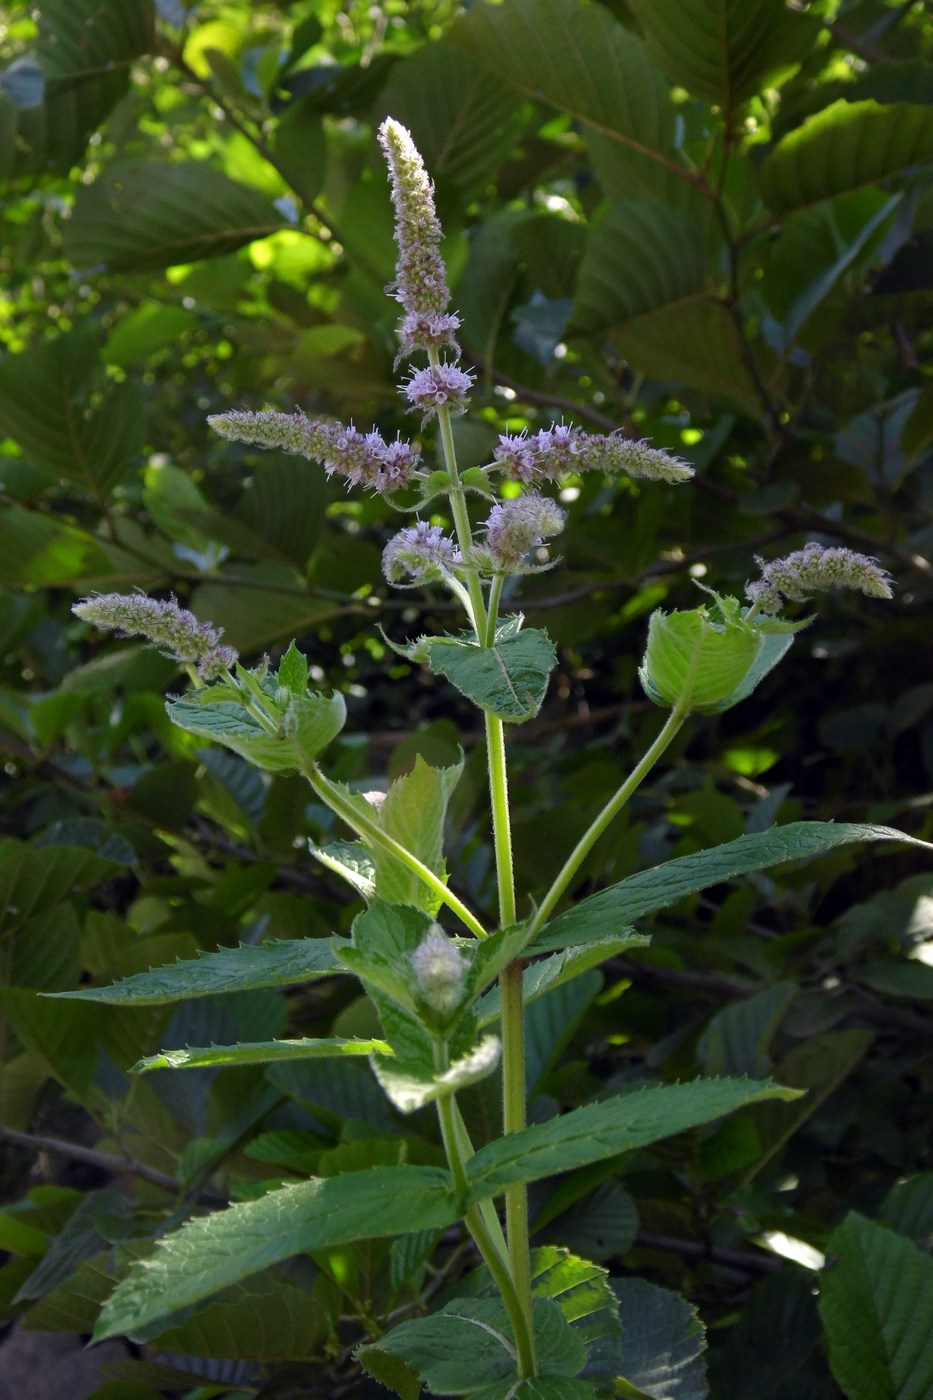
[438, 386]
[365, 459]
[556, 451]
[422, 552]
[173, 629]
[815, 569]
[420, 276]
[515, 527]
[440, 969]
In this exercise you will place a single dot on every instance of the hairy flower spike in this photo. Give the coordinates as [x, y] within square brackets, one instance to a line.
[516, 527]
[365, 459]
[420, 276]
[557, 451]
[815, 569]
[437, 386]
[440, 969]
[421, 552]
[175, 631]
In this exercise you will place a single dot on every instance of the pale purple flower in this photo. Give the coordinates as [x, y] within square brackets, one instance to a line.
[815, 569]
[516, 527]
[517, 457]
[438, 386]
[174, 630]
[421, 552]
[420, 276]
[365, 459]
[440, 971]
[556, 451]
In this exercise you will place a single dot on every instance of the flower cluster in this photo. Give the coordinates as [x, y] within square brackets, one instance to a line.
[364, 459]
[420, 552]
[553, 452]
[420, 276]
[436, 386]
[175, 631]
[516, 527]
[815, 569]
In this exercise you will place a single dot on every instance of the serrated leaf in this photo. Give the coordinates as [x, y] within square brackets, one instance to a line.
[604, 74]
[284, 963]
[468, 1345]
[641, 256]
[209, 1254]
[413, 813]
[139, 215]
[508, 679]
[601, 914]
[410, 1087]
[260, 1053]
[350, 860]
[725, 50]
[547, 974]
[844, 147]
[583, 1293]
[876, 1301]
[306, 727]
[606, 1129]
[293, 670]
[663, 1343]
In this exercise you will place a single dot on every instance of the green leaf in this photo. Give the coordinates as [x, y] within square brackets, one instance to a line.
[582, 1291]
[606, 1129]
[68, 419]
[846, 146]
[469, 1345]
[410, 1087]
[462, 117]
[139, 215]
[261, 1053]
[603, 74]
[350, 860]
[413, 813]
[694, 662]
[293, 670]
[641, 256]
[266, 1317]
[304, 728]
[663, 1343]
[601, 914]
[34, 878]
[725, 50]
[101, 1216]
[210, 1253]
[876, 1301]
[908, 1208]
[509, 679]
[549, 973]
[737, 1039]
[284, 963]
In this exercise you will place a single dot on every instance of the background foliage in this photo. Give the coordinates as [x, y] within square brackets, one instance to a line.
[705, 221]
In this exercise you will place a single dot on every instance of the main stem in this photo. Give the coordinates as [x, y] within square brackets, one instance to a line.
[510, 981]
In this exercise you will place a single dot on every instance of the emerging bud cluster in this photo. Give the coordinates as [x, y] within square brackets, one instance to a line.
[438, 386]
[421, 552]
[175, 631]
[440, 971]
[516, 527]
[815, 569]
[364, 459]
[553, 452]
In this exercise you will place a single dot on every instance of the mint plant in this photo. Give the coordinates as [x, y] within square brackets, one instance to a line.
[451, 982]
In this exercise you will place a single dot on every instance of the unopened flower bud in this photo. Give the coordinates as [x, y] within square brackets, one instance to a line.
[616, 453]
[174, 630]
[440, 971]
[438, 386]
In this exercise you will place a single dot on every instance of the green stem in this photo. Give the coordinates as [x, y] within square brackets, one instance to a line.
[519, 1317]
[492, 613]
[596, 828]
[364, 826]
[458, 509]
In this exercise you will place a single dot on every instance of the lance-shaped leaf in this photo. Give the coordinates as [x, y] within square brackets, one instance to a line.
[602, 914]
[140, 215]
[549, 973]
[264, 1052]
[410, 1087]
[284, 963]
[876, 1301]
[413, 813]
[842, 148]
[601, 1130]
[210, 1253]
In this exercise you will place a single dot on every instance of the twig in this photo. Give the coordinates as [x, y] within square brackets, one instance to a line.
[715, 1254]
[117, 1166]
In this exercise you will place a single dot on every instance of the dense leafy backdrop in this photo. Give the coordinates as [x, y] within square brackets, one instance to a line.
[709, 222]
